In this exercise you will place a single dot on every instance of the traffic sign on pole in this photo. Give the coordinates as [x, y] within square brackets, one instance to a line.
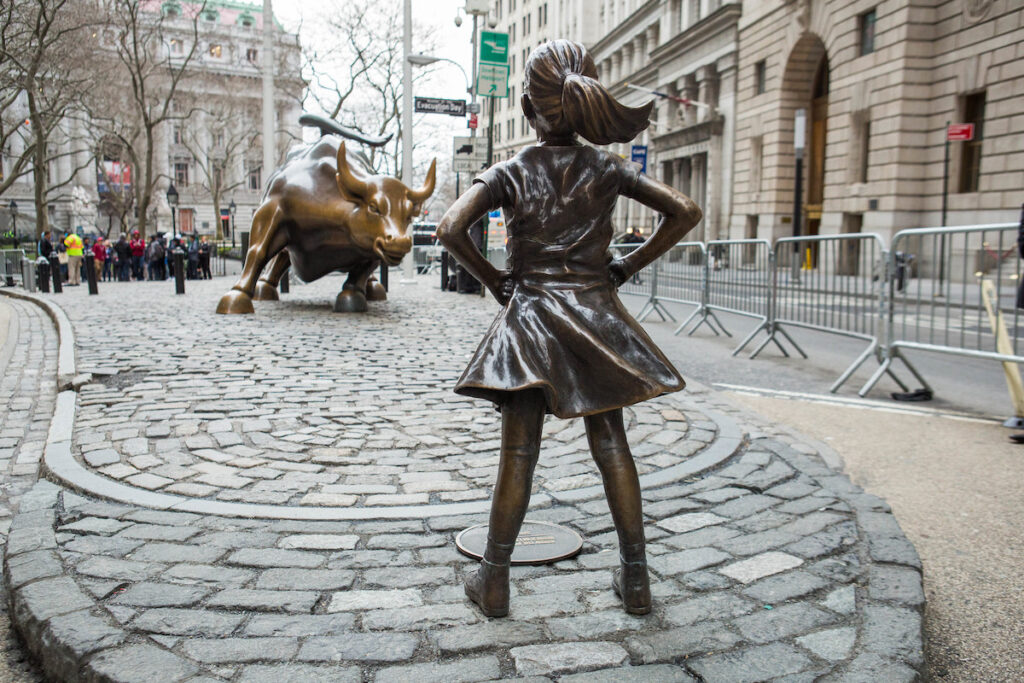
[469, 154]
[492, 80]
[960, 131]
[493, 47]
[437, 105]
[638, 155]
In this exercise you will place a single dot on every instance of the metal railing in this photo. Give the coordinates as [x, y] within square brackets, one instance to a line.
[934, 295]
[10, 267]
[739, 281]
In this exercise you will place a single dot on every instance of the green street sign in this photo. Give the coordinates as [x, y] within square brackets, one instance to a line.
[492, 80]
[493, 47]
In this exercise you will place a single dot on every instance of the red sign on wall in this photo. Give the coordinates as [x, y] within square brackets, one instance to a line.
[960, 131]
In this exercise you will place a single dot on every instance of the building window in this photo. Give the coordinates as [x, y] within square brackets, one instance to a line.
[760, 70]
[216, 51]
[756, 163]
[866, 31]
[865, 151]
[176, 135]
[181, 173]
[218, 138]
[255, 181]
[177, 47]
[252, 54]
[970, 151]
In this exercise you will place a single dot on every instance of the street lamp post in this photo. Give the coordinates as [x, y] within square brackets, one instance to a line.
[407, 273]
[232, 207]
[799, 143]
[13, 206]
[172, 201]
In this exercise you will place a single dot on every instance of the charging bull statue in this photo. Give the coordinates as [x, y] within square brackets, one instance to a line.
[324, 210]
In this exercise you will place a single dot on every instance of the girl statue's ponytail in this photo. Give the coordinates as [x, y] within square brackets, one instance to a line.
[561, 81]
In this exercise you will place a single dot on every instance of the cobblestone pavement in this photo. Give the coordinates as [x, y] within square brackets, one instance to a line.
[28, 350]
[767, 564]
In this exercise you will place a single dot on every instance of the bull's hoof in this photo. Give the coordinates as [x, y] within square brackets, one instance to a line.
[375, 291]
[235, 301]
[350, 301]
[265, 292]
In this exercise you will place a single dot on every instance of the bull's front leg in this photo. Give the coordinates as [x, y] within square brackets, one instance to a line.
[266, 241]
[352, 298]
[266, 288]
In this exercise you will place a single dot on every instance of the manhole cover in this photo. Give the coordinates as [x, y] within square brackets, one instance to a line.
[538, 543]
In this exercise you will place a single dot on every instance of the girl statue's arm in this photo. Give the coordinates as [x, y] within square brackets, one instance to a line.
[679, 215]
[453, 232]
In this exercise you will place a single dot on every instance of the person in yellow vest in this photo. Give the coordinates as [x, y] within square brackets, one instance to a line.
[74, 246]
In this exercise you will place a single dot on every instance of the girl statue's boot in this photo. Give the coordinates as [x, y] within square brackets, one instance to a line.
[488, 586]
[631, 582]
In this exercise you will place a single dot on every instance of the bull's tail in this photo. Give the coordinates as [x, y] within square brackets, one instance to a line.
[326, 126]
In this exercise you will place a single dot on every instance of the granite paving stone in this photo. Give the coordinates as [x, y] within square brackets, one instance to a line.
[767, 564]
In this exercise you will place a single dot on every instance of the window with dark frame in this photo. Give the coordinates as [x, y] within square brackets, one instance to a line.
[760, 70]
[865, 150]
[973, 108]
[255, 181]
[181, 173]
[866, 31]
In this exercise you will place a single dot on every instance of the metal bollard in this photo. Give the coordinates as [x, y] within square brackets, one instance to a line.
[55, 274]
[28, 275]
[444, 270]
[43, 273]
[179, 271]
[285, 286]
[90, 273]
[384, 276]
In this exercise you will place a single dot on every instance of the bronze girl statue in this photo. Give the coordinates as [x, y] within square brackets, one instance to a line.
[563, 342]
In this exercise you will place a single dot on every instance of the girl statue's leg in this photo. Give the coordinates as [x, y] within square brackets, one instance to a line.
[522, 417]
[610, 449]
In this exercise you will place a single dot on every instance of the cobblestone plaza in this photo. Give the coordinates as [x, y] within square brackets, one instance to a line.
[275, 497]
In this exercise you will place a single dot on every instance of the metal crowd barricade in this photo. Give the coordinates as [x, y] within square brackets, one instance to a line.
[10, 266]
[642, 283]
[738, 279]
[828, 283]
[935, 301]
[679, 276]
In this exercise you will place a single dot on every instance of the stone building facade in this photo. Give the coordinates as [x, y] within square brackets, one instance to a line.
[878, 80]
[224, 75]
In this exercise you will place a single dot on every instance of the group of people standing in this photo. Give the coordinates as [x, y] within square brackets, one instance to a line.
[126, 259]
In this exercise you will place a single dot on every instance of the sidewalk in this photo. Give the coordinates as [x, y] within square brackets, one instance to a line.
[273, 497]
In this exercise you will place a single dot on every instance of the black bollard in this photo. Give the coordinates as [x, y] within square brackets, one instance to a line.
[285, 286]
[179, 271]
[444, 270]
[90, 272]
[43, 274]
[55, 274]
[384, 276]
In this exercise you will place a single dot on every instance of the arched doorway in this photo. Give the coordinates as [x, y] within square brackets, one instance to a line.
[805, 85]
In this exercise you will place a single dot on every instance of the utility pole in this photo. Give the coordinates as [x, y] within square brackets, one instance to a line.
[407, 271]
[269, 154]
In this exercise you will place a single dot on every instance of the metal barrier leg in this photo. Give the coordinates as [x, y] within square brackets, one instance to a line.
[790, 339]
[655, 306]
[853, 367]
[686, 322]
[750, 337]
[712, 313]
[769, 338]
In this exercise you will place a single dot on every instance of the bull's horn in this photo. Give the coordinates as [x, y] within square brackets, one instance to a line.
[346, 180]
[424, 192]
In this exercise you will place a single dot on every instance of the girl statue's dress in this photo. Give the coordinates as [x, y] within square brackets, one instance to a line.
[564, 331]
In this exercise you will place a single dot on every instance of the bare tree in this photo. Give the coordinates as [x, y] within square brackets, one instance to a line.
[355, 72]
[150, 56]
[45, 51]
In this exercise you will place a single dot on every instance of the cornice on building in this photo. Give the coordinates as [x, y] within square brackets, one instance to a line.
[706, 29]
[690, 135]
[626, 28]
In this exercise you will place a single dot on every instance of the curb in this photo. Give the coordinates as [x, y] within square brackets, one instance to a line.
[59, 624]
[66, 360]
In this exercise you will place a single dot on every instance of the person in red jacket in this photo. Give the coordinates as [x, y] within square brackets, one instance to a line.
[138, 247]
[99, 252]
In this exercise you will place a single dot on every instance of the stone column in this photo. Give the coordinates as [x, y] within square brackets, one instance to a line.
[707, 91]
[687, 87]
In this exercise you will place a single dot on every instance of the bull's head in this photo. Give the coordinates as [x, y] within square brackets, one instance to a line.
[384, 209]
